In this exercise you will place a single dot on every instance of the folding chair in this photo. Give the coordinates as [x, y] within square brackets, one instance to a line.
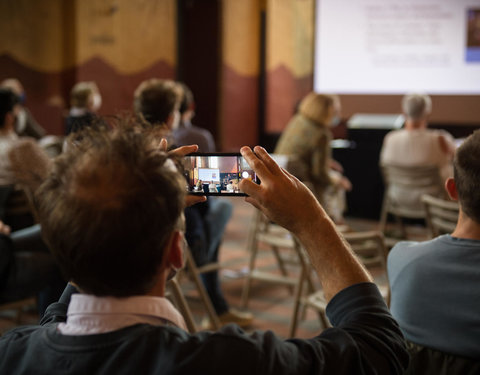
[275, 238]
[441, 214]
[194, 273]
[403, 189]
[176, 293]
[370, 249]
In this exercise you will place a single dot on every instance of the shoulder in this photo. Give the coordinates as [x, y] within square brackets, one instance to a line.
[415, 254]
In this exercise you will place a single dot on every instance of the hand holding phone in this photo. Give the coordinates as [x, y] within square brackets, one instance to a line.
[216, 173]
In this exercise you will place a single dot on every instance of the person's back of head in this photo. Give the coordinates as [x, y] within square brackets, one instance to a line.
[320, 108]
[8, 101]
[14, 85]
[157, 100]
[108, 210]
[416, 106]
[85, 95]
[466, 172]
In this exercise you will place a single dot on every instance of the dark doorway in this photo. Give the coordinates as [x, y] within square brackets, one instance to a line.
[199, 52]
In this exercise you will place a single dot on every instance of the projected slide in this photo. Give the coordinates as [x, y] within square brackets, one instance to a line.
[209, 174]
[396, 46]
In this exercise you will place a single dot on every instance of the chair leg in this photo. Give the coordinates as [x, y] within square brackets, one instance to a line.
[296, 304]
[202, 292]
[253, 248]
[384, 214]
[248, 279]
[323, 319]
[281, 266]
[182, 305]
[403, 229]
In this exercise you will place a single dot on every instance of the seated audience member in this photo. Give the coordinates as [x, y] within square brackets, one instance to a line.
[186, 133]
[157, 102]
[125, 200]
[415, 145]
[22, 161]
[27, 269]
[306, 140]
[25, 124]
[435, 294]
[85, 101]
[212, 187]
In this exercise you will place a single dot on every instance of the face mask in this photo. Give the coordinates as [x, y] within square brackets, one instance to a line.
[335, 121]
[96, 102]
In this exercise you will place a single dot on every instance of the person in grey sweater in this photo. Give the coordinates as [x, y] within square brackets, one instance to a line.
[435, 294]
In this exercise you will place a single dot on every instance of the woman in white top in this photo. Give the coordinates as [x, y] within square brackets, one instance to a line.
[415, 145]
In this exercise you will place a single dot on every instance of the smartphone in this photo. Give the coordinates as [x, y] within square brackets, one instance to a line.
[216, 173]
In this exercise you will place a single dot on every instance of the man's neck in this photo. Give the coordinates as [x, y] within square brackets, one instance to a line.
[415, 124]
[466, 228]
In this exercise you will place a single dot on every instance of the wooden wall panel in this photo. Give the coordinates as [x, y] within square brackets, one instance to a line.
[52, 44]
[289, 58]
[239, 73]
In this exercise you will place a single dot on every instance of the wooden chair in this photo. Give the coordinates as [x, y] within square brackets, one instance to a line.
[276, 239]
[194, 273]
[404, 187]
[371, 250]
[441, 215]
[174, 291]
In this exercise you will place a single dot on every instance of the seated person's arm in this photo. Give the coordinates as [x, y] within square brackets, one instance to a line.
[332, 258]
[366, 339]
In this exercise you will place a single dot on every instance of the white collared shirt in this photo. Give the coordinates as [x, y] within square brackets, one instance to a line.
[88, 314]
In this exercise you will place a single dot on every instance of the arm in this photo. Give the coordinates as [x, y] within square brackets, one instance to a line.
[332, 258]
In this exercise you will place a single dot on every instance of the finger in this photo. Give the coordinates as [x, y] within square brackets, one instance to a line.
[184, 150]
[255, 163]
[271, 164]
[253, 202]
[190, 200]
[163, 144]
[250, 188]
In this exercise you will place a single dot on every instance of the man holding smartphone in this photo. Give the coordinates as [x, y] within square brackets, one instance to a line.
[111, 212]
[157, 103]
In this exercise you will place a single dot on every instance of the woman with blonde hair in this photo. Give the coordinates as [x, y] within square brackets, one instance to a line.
[306, 141]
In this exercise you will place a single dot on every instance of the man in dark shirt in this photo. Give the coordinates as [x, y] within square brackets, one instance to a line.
[111, 213]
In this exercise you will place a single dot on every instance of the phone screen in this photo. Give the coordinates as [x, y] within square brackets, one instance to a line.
[216, 173]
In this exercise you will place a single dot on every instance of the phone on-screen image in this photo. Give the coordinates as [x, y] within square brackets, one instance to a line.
[216, 173]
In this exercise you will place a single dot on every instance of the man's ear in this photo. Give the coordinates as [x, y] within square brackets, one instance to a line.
[175, 250]
[451, 189]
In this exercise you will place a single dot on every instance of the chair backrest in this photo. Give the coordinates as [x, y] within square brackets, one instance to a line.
[371, 250]
[442, 215]
[406, 185]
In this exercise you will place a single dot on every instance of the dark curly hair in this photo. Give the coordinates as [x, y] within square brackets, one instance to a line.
[108, 209]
